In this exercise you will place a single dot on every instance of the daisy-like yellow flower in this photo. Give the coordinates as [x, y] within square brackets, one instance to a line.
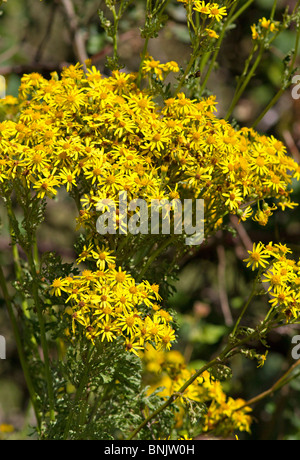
[133, 346]
[274, 278]
[171, 66]
[68, 178]
[157, 141]
[128, 323]
[46, 185]
[57, 286]
[217, 12]
[201, 7]
[150, 65]
[233, 199]
[107, 331]
[258, 257]
[244, 214]
[103, 257]
[167, 337]
[213, 10]
[283, 296]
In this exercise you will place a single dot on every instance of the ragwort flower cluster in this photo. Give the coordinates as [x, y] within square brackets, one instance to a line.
[103, 135]
[280, 275]
[213, 10]
[109, 304]
[98, 136]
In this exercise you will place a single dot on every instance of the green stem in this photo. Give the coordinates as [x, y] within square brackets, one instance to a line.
[20, 347]
[230, 20]
[284, 380]
[99, 402]
[144, 52]
[79, 392]
[246, 305]
[187, 70]
[115, 35]
[173, 397]
[44, 342]
[281, 91]
[218, 360]
[206, 56]
[18, 272]
[245, 80]
[155, 254]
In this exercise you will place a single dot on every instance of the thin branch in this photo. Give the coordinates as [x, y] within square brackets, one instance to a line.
[284, 380]
[222, 287]
[20, 346]
[246, 240]
[10, 52]
[280, 383]
[41, 48]
[77, 35]
[291, 145]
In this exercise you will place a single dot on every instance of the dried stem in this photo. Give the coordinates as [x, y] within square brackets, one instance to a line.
[76, 33]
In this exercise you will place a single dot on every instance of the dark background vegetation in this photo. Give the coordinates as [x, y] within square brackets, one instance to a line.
[213, 283]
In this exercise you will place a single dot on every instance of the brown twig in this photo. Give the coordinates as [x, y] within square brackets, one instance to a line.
[49, 26]
[291, 145]
[222, 287]
[244, 237]
[276, 386]
[77, 35]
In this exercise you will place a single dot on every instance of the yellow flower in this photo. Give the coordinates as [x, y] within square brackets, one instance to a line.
[67, 177]
[103, 257]
[132, 346]
[201, 7]
[262, 359]
[46, 185]
[255, 34]
[213, 10]
[268, 24]
[233, 199]
[211, 33]
[107, 330]
[244, 214]
[167, 337]
[282, 296]
[6, 428]
[58, 285]
[258, 257]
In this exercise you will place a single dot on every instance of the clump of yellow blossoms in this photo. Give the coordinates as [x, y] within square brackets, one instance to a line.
[98, 136]
[98, 355]
[263, 27]
[223, 414]
[280, 275]
[211, 10]
[103, 135]
[108, 304]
